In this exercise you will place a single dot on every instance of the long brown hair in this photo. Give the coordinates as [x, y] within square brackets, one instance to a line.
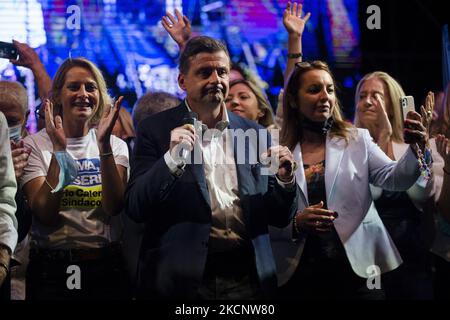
[291, 131]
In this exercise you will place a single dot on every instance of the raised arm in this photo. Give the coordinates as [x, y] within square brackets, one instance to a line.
[294, 25]
[179, 28]
[28, 58]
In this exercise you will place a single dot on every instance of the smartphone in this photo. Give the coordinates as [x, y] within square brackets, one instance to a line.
[407, 105]
[8, 51]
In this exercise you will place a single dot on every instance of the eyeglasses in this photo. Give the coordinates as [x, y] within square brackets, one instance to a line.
[308, 64]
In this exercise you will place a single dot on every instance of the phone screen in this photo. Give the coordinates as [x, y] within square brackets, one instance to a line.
[8, 51]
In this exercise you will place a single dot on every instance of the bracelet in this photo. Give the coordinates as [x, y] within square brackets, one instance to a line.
[106, 154]
[294, 55]
[4, 266]
[51, 188]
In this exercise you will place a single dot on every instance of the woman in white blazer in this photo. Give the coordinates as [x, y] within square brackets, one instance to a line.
[336, 240]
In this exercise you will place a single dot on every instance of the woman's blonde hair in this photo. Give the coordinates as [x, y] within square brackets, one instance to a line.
[60, 78]
[291, 131]
[267, 119]
[395, 92]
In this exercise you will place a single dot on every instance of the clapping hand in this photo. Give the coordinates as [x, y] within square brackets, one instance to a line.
[54, 128]
[106, 125]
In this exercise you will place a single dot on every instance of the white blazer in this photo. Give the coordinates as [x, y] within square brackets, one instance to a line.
[349, 169]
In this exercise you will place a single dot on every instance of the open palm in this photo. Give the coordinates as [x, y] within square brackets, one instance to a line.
[106, 124]
[179, 29]
[54, 128]
[292, 20]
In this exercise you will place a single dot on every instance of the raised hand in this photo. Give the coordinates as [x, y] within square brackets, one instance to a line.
[54, 128]
[27, 56]
[373, 116]
[106, 125]
[427, 111]
[179, 29]
[443, 145]
[383, 123]
[292, 19]
[414, 131]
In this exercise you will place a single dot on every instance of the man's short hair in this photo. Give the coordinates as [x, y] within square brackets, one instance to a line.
[152, 103]
[14, 94]
[198, 45]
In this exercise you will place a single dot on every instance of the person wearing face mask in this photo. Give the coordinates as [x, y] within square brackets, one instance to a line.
[14, 105]
[403, 213]
[74, 182]
[336, 240]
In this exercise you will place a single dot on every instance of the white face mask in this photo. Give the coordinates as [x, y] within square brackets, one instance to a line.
[15, 133]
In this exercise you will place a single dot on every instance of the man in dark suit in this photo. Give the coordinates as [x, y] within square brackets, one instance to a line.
[206, 216]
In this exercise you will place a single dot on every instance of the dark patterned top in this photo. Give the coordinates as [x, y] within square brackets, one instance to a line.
[324, 245]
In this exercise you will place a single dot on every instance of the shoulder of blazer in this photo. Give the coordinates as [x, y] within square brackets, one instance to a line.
[163, 118]
[242, 123]
[362, 136]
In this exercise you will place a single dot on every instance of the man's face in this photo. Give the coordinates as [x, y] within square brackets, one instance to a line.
[207, 80]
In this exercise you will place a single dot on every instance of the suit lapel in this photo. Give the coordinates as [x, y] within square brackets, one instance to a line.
[197, 170]
[334, 152]
[244, 169]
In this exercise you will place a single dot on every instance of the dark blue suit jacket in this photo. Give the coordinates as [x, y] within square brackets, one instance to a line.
[177, 212]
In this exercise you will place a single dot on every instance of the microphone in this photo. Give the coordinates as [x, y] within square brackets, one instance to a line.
[190, 118]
